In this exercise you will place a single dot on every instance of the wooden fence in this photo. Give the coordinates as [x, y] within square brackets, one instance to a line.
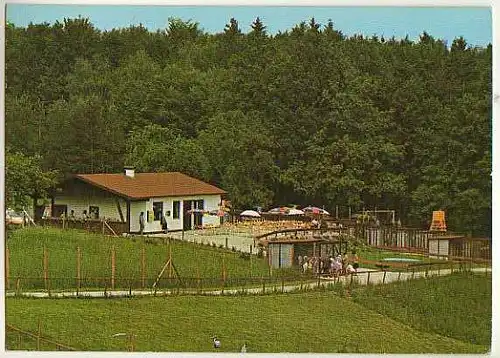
[105, 227]
[258, 285]
[391, 238]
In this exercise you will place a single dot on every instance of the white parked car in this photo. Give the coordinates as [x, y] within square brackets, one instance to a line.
[13, 218]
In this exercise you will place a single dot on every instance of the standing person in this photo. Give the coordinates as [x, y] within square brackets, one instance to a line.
[142, 222]
[338, 266]
[305, 265]
[355, 261]
[164, 224]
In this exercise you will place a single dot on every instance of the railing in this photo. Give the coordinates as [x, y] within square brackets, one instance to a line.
[275, 234]
[102, 226]
[390, 238]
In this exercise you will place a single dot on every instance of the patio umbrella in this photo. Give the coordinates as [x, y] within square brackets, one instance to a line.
[280, 210]
[315, 210]
[250, 213]
[295, 212]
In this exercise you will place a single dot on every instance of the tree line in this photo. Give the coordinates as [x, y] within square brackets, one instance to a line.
[305, 116]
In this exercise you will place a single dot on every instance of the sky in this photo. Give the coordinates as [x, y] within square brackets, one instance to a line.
[446, 23]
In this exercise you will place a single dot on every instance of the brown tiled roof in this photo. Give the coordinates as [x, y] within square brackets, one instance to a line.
[150, 185]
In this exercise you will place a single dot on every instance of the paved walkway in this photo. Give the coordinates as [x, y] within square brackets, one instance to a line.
[367, 276]
[241, 241]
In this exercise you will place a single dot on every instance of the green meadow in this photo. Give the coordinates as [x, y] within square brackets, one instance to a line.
[26, 259]
[420, 316]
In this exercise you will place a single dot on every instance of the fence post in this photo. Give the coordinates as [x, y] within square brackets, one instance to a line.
[170, 258]
[18, 286]
[198, 278]
[113, 267]
[143, 266]
[7, 268]
[46, 268]
[368, 279]
[78, 270]
[263, 285]
[426, 271]
[383, 279]
[251, 263]
[39, 335]
[399, 276]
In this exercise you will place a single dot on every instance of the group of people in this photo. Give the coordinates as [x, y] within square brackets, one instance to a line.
[72, 216]
[333, 266]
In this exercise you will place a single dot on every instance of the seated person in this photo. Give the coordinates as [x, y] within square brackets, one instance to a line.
[349, 269]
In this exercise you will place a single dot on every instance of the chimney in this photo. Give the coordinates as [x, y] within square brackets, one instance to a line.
[130, 172]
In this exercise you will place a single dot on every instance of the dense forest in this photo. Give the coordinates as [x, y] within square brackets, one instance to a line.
[306, 116]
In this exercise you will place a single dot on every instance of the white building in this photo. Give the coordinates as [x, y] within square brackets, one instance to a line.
[184, 200]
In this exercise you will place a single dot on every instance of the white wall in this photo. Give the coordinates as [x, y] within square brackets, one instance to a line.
[438, 247]
[135, 210]
[211, 202]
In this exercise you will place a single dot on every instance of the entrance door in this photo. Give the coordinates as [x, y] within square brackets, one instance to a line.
[198, 216]
[187, 216]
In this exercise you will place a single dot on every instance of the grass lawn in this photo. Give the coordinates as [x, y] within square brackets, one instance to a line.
[305, 322]
[457, 306]
[439, 315]
[191, 260]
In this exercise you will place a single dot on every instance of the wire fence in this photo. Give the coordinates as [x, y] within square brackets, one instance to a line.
[102, 286]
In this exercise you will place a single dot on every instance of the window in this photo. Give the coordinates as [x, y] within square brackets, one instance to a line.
[176, 209]
[94, 212]
[157, 210]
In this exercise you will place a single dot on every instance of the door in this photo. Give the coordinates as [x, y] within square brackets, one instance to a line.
[198, 216]
[187, 216]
